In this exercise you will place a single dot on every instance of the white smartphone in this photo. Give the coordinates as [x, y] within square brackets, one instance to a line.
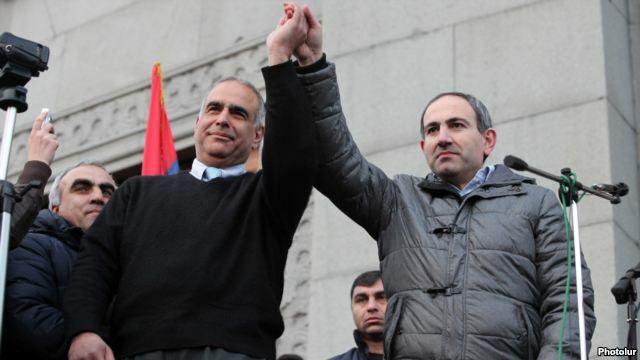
[49, 116]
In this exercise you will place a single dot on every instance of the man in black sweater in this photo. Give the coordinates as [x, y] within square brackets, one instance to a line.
[194, 263]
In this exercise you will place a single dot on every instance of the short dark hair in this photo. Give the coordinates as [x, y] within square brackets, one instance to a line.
[365, 279]
[483, 119]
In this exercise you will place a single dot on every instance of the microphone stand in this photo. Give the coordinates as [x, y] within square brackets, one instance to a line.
[572, 198]
[625, 292]
[632, 319]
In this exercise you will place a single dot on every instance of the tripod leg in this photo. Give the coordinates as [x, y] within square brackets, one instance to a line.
[5, 148]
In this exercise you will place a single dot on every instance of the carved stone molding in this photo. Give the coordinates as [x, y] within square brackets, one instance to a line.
[295, 300]
[112, 128]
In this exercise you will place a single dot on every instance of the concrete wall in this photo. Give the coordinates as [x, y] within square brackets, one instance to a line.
[560, 77]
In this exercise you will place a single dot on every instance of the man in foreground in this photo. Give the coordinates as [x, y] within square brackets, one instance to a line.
[196, 261]
[473, 257]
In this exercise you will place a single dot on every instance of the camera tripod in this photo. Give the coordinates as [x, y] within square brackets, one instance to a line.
[20, 59]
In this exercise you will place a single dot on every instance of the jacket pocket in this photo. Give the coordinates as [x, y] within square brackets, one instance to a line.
[394, 313]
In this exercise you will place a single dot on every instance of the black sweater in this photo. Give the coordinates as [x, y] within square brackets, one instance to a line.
[200, 264]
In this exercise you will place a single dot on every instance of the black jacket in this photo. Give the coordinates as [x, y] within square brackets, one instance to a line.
[358, 353]
[37, 274]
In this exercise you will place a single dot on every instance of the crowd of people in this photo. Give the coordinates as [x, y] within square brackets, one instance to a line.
[191, 266]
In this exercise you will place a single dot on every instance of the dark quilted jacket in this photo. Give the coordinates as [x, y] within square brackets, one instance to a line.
[361, 352]
[37, 274]
[479, 277]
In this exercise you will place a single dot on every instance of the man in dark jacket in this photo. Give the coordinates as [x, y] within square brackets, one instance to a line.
[368, 305]
[39, 268]
[41, 148]
[473, 257]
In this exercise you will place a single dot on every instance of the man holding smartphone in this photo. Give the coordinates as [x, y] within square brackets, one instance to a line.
[41, 149]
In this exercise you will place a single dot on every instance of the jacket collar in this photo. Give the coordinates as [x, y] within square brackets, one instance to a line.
[360, 343]
[500, 177]
[55, 226]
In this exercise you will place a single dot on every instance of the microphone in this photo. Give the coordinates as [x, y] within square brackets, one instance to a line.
[625, 286]
[520, 165]
[515, 163]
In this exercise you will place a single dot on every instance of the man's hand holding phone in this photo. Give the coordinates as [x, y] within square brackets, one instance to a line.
[42, 140]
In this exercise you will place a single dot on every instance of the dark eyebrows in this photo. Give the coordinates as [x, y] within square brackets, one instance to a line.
[365, 296]
[81, 182]
[214, 104]
[88, 183]
[360, 296]
[237, 109]
[448, 121]
[456, 119]
[233, 108]
[107, 187]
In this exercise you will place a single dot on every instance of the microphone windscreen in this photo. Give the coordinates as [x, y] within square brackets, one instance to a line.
[515, 163]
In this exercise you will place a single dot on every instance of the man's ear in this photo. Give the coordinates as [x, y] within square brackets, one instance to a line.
[422, 145]
[489, 136]
[259, 135]
[55, 209]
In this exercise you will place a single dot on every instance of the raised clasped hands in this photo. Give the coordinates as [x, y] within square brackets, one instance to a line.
[298, 33]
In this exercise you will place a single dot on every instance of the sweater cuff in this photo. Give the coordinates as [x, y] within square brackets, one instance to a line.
[276, 74]
[35, 170]
[316, 66]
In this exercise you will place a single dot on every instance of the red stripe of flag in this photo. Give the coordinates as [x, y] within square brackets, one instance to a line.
[159, 152]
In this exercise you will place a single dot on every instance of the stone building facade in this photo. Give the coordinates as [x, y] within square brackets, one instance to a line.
[560, 77]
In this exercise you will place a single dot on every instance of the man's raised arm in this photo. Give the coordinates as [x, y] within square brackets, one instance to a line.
[360, 189]
[289, 147]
